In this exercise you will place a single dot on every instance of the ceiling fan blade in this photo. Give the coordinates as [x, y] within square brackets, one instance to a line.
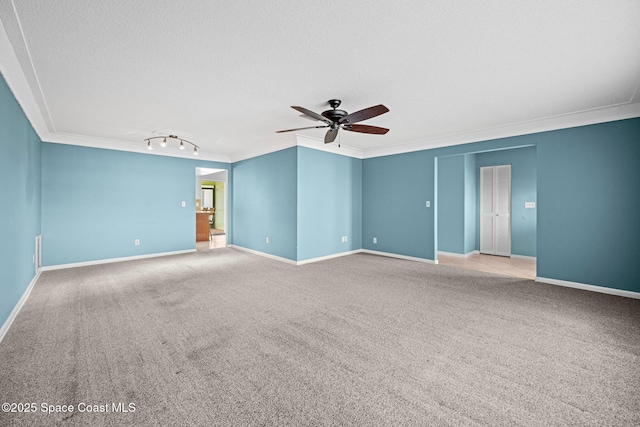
[366, 129]
[365, 114]
[311, 114]
[309, 127]
[330, 136]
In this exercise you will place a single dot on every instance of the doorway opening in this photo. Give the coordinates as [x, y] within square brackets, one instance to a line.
[211, 208]
[465, 222]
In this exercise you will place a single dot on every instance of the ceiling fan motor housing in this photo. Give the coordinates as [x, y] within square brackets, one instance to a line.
[334, 115]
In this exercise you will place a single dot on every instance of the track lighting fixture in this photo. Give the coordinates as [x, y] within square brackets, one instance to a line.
[163, 143]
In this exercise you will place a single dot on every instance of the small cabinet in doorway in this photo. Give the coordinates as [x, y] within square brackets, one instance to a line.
[202, 226]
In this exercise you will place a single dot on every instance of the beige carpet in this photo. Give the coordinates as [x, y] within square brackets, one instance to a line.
[228, 338]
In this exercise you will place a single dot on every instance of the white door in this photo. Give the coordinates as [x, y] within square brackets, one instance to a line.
[495, 210]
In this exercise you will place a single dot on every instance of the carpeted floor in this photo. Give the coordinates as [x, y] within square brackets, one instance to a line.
[228, 338]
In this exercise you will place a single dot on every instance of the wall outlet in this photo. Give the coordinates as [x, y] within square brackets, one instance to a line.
[428, 204]
[137, 242]
[529, 205]
[266, 240]
[375, 240]
[184, 204]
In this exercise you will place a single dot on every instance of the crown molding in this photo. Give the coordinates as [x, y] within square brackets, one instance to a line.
[285, 142]
[17, 82]
[19, 85]
[318, 144]
[13, 74]
[112, 144]
[564, 121]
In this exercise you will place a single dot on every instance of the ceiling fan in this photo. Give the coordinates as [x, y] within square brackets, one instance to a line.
[339, 119]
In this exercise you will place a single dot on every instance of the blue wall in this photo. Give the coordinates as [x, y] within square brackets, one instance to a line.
[19, 201]
[329, 203]
[471, 208]
[91, 204]
[394, 191]
[588, 205]
[265, 203]
[523, 189]
[304, 200]
[587, 201]
[96, 202]
[451, 204]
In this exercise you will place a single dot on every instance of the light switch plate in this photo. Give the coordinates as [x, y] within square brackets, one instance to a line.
[530, 205]
[428, 203]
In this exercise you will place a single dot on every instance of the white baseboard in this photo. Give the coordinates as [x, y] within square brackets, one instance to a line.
[457, 255]
[592, 288]
[264, 254]
[18, 306]
[392, 255]
[322, 258]
[292, 262]
[110, 260]
[529, 258]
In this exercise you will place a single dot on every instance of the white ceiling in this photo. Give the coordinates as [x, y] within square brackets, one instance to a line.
[223, 74]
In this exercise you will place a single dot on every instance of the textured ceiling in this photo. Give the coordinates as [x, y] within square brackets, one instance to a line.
[224, 74]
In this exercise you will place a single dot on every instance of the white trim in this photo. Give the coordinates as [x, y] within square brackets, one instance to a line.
[392, 255]
[592, 288]
[19, 85]
[132, 147]
[297, 141]
[17, 81]
[529, 258]
[337, 255]
[110, 260]
[545, 124]
[12, 72]
[457, 255]
[281, 144]
[318, 144]
[322, 258]
[14, 313]
[264, 254]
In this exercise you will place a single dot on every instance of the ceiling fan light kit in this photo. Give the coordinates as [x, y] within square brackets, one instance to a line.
[163, 143]
[336, 119]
